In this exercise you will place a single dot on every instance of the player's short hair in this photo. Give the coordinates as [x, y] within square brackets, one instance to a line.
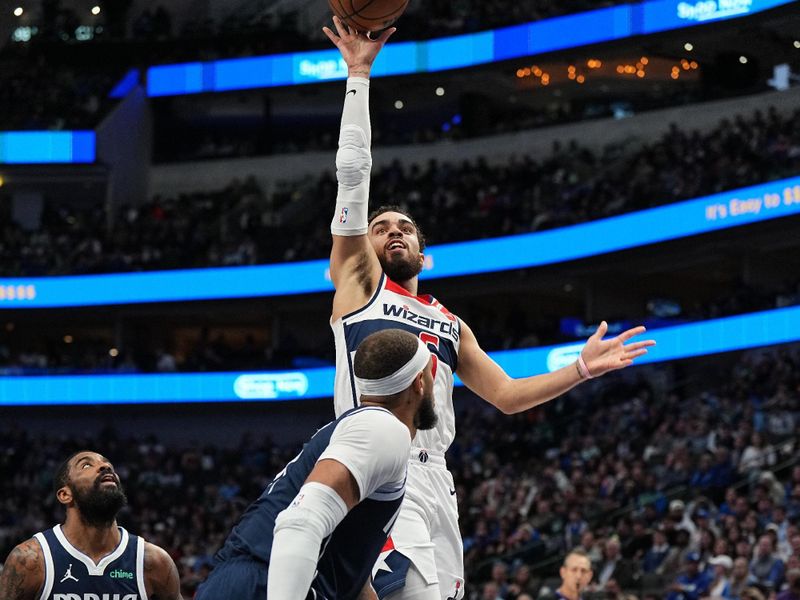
[61, 477]
[384, 352]
[577, 552]
[395, 208]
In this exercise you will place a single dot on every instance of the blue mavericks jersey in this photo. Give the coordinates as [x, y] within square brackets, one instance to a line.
[71, 575]
[347, 556]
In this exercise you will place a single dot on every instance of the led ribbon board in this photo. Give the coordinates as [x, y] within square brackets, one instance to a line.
[548, 35]
[40, 147]
[711, 213]
[673, 343]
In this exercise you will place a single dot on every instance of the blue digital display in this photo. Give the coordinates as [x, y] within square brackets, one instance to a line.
[548, 35]
[673, 343]
[39, 147]
[711, 213]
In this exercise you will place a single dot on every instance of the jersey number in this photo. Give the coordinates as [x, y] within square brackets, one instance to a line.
[433, 340]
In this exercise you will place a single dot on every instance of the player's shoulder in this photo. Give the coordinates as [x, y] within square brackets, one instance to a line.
[155, 557]
[26, 552]
[374, 417]
[373, 425]
[23, 571]
[160, 573]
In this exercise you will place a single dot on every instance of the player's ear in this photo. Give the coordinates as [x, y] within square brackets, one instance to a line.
[419, 383]
[64, 495]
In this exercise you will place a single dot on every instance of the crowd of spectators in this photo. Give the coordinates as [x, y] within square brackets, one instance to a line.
[675, 489]
[120, 20]
[242, 225]
[28, 100]
[660, 490]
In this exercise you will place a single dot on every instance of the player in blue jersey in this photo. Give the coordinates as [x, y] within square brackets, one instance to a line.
[375, 263]
[319, 527]
[88, 557]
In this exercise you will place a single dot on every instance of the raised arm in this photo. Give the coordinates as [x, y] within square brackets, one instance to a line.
[22, 576]
[354, 267]
[487, 379]
[160, 574]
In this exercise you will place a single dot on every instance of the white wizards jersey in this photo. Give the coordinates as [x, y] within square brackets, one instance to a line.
[392, 307]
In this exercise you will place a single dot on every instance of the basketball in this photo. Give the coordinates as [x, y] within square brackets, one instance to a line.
[368, 15]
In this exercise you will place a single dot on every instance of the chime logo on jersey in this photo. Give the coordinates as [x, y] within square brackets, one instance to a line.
[120, 574]
[447, 328]
[90, 596]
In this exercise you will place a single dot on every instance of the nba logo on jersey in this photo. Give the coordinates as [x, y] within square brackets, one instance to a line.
[343, 215]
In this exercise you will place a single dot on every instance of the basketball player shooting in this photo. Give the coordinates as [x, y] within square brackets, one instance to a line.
[375, 262]
[89, 556]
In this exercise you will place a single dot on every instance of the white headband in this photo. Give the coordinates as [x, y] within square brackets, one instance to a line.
[400, 379]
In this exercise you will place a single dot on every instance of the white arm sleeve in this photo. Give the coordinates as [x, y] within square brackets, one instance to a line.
[353, 161]
[374, 446]
[299, 530]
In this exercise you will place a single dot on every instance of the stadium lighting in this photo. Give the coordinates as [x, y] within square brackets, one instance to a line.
[743, 60]
[797, 44]
[18, 11]
[398, 104]
[113, 353]
[95, 10]
[67, 339]
[440, 91]
[688, 47]
[2, 181]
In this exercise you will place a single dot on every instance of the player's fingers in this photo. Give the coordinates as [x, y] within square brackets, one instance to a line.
[602, 329]
[341, 28]
[626, 335]
[386, 35]
[638, 345]
[331, 36]
[635, 353]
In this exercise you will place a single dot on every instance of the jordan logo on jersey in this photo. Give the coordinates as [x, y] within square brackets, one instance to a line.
[69, 575]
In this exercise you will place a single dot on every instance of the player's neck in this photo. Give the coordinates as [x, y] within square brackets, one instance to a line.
[568, 594]
[410, 285]
[95, 541]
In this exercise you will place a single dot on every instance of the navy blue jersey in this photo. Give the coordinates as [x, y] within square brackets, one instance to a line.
[347, 556]
[71, 575]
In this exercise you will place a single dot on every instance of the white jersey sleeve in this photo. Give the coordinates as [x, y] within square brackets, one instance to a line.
[374, 446]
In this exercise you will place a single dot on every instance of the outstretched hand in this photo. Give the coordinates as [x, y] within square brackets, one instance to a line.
[358, 49]
[602, 356]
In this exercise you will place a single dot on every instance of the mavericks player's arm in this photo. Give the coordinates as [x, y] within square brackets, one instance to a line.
[355, 273]
[160, 574]
[487, 379]
[368, 593]
[22, 576]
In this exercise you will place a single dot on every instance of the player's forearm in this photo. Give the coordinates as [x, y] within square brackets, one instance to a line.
[353, 161]
[299, 530]
[518, 395]
[367, 593]
[292, 563]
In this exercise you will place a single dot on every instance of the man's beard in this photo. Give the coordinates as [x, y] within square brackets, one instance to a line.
[401, 269]
[426, 417]
[99, 506]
